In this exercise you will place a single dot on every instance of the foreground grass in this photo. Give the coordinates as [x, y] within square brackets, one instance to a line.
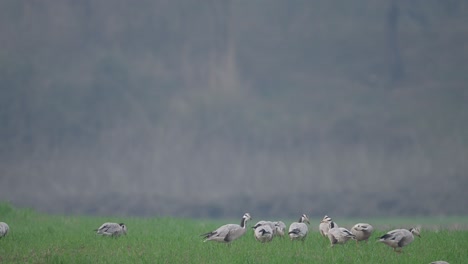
[37, 238]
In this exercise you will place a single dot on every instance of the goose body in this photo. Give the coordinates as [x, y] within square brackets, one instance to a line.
[263, 222]
[325, 225]
[399, 238]
[228, 233]
[339, 235]
[362, 231]
[4, 228]
[263, 233]
[112, 229]
[299, 230]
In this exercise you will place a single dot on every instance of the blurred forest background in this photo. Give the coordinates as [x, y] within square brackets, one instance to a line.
[215, 108]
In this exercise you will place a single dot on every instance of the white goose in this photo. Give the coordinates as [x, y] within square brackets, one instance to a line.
[326, 224]
[112, 229]
[298, 230]
[339, 235]
[228, 233]
[362, 231]
[399, 238]
[4, 228]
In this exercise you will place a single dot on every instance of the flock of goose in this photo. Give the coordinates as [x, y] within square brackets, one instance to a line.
[265, 231]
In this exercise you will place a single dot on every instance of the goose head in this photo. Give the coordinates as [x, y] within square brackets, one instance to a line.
[416, 231]
[326, 219]
[304, 219]
[247, 217]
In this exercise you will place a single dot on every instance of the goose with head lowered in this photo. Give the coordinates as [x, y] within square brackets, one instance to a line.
[399, 238]
[228, 233]
[112, 229]
[339, 235]
[263, 233]
[362, 231]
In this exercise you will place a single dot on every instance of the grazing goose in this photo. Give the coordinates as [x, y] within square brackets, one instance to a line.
[298, 230]
[263, 233]
[228, 233]
[399, 238]
[362, 231]
[4, 228]
[326, 224]
[339, 235]
[280, 229]
[112, 229]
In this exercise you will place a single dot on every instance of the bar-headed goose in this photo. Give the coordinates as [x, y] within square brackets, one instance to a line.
[228, 233]
[4, 228]
[326, 224]
[298, 230]
[263, 233]
[280, 229]
[399, 238]
[339, 235]
[112, 229]
[362, 231]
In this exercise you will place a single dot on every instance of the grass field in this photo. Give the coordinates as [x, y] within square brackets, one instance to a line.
[40, 238]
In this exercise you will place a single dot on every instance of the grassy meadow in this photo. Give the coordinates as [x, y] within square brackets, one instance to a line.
[40, 238]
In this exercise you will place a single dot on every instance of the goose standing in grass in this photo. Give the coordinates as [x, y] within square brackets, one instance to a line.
[4, 228]
[112, 229]
[298, 230]
[325, 225]
[228, 233]
[362, 231]
[280, 228]
[399, 238]
[263, 233]
[339, 235]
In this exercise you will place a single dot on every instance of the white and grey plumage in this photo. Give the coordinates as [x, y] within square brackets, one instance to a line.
[263, 233]
[399, 238]
[440, 262]
[228, 233]
[339, 235]
[362, 231]
[112, 229]
[299, 230]
[326, 224]
[4, 228]
[280, 228]
[263, 222]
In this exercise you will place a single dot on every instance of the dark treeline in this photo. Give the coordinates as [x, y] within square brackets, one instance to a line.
[213, 108]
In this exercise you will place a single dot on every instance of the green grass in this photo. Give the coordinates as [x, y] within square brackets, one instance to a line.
[39, 238]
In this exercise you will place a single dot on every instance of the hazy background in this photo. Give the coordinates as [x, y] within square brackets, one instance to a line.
[215, 108]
